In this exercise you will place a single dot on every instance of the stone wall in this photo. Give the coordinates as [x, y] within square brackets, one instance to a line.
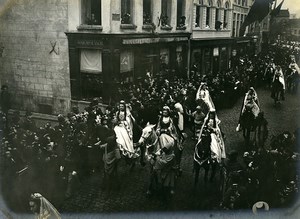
[38, 78]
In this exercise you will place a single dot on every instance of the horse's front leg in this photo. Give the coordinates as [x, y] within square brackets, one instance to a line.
[196, 170]
[213, 171]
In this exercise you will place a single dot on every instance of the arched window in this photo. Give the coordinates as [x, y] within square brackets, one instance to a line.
[208, 14]
[198, 17]
[226, 15]
[218, 16]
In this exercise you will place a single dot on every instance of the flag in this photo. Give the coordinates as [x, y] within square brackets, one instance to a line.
[276, 11]
[259, 10]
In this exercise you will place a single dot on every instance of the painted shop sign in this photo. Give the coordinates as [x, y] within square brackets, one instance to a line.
[89, 43]
[153, 40]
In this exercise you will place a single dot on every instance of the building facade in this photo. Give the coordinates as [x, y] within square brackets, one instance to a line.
[211, 36]
[58, 53]
[112, 42]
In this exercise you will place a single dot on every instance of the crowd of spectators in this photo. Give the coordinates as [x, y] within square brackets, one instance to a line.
[56, 157]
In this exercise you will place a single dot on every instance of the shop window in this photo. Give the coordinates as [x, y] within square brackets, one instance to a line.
[91, 12]
[91, 73]
[126, 66]
[164, 59]
[208, 15]
[147, 12]
[166, 8]
[126, 12]
[181, 13]
[217, 17]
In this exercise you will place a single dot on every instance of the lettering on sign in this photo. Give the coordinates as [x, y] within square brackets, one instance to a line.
[153, 40]
[89, 43]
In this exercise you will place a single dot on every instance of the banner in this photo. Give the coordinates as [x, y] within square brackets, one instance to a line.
[126, 61]
[91, 61]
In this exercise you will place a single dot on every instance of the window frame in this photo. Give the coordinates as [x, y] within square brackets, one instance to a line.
[165, 19]
[150, 2]
[84, 14]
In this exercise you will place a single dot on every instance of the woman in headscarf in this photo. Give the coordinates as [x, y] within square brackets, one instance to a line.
[211, 126]
[124, 131]
[42, 208]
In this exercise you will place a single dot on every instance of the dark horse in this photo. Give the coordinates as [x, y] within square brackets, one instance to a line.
[277, 90]
[248, 123]
[202, 158]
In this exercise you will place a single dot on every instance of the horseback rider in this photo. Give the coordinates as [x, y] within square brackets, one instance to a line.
[278, 77]
[124, 130]
[211, 125]
[166, 125]
[250, 102]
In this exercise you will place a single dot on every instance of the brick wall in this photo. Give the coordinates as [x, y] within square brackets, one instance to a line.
[35, 76]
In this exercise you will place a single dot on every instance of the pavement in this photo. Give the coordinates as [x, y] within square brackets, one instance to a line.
[130, 196]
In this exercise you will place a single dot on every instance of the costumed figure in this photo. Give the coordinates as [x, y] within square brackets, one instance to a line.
[166, 129]
[199, 117]
[163, 170]
[278, 83]
[124, 131]
[250, 101]
[203, 96]
[42, 208]
[217, 146]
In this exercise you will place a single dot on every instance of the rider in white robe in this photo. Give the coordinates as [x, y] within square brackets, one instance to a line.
[279, 73]
[124, 131]
[217, 146]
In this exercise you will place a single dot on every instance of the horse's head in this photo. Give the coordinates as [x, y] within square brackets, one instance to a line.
[146, 133]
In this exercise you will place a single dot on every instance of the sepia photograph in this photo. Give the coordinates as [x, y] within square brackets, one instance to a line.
[149, 109]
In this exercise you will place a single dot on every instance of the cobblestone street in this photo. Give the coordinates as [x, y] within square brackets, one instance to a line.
[131, 195]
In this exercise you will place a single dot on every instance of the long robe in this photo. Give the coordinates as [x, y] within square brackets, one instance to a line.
[125, 136]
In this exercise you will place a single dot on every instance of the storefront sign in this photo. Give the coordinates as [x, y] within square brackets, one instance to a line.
[153, 40]
[89, 43]
[116, 17]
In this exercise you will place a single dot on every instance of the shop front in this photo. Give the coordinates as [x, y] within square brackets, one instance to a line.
[210, 56]
[100, 63]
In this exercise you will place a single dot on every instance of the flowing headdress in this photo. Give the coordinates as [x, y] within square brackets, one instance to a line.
[47, 210]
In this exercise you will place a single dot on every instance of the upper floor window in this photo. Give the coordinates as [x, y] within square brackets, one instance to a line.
[91, 12]
[147, 12]
[208, 15]
[181, 13]
[198, 14]
[166, 8]
[226, 15]
[217, 16]
[126, 11]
